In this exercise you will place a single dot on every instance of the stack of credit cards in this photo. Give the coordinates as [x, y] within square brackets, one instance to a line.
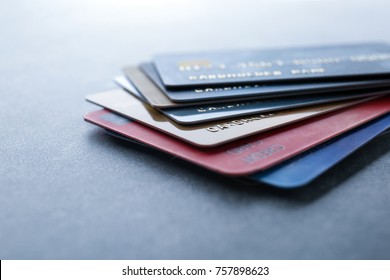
[279, 116]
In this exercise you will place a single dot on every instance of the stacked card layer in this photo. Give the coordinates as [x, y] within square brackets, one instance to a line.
[265, 116]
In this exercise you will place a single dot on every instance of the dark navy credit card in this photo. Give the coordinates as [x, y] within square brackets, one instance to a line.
[216, 111]
[271, 65]
[303, 169]
[255, 90]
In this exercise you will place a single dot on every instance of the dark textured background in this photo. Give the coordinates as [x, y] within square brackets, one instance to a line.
[67, 191]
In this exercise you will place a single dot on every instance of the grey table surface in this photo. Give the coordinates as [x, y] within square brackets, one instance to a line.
[68, 191]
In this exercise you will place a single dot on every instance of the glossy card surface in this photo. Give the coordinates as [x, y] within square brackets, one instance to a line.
[258, 91]
[233, 67]
[304, 168]
[213, 133]
[211, 112]
[255, 153]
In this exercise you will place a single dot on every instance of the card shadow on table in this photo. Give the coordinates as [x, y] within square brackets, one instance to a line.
[322, 185]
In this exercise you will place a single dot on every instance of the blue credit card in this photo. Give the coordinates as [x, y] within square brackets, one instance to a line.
[251, 91]
[303, 169]
[271, 65]
[210, 112]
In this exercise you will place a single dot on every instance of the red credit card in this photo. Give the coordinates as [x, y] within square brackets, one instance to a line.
[255, 153]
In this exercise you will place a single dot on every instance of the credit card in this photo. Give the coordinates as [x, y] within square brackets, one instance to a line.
[257, 152]
[239, 92]
[274, 65]
[304, 168]
[206, 113]
[213, 133]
